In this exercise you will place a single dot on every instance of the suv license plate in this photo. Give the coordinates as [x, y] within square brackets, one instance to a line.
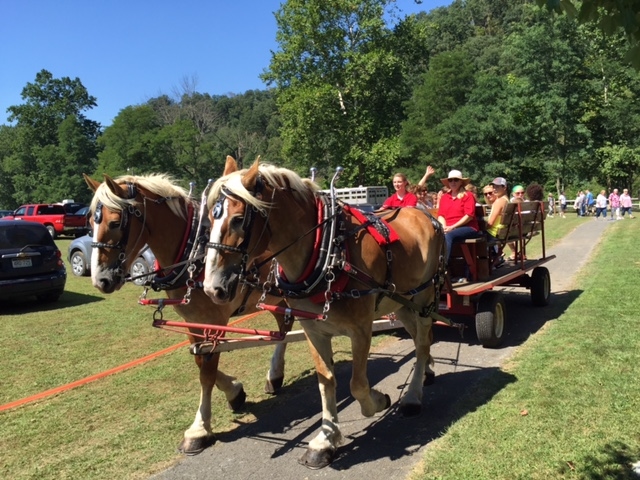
[21, 263]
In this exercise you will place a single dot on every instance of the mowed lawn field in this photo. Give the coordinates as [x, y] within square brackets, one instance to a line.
[128, 425]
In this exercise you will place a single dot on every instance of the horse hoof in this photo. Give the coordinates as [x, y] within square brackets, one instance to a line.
[387, 402]
[429, 379]
[316, 459]
[411, 410]
[194, 446]
[238, 402]
[272, 386]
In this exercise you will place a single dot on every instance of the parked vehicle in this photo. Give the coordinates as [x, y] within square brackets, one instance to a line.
[30, 262]
[83, 212]
[53, 217]
[4, 213]
[79, 255]
[73, 207]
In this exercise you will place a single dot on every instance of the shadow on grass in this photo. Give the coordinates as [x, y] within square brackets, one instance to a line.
[615, 461]
[25, 306]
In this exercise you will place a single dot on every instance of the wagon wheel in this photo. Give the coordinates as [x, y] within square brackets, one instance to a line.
[490, 318]
[540, 286]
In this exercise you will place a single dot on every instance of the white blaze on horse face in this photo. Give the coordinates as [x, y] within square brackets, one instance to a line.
[212, 253]
[94, 257]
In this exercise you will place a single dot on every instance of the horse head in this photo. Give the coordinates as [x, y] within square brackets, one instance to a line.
[235, 210]
[121, 222]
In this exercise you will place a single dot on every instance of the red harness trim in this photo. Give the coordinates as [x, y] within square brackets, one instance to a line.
[393, 236]
[316, 246]
[185, 239]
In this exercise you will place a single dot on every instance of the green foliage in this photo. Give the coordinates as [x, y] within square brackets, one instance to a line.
[51, 142]
[339, 85]
[610, 16]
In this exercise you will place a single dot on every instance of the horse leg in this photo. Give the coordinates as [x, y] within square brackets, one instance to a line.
[411, 326]
[322, 448]
[420, 329]
[199, 435]
[371, 400]
[233, 390]
[275, 375]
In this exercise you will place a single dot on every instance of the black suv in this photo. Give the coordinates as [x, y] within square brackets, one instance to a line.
[30, 262]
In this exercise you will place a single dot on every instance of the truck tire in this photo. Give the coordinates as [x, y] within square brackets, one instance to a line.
[51, 230]
[540, 286]
[490, 319]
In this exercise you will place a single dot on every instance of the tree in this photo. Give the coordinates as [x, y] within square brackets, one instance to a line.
[339, 87]
[609, 16]
[53, 142]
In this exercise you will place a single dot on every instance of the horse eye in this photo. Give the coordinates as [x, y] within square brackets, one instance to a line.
[114, 225]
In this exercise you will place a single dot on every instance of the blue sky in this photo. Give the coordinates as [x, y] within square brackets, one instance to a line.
[126, 52]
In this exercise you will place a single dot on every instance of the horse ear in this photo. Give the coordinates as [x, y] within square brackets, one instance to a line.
[92, 184]
[249, 178]
[230, 165]
[113, 186]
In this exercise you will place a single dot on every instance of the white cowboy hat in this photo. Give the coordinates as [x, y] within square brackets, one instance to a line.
[455, 174]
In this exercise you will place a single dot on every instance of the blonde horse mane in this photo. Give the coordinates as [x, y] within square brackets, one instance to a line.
[160, 184]
[277, 177]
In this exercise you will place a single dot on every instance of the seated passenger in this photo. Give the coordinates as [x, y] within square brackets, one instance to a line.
[494, 222]
[424, 200]
[402, 197]
[457, 211]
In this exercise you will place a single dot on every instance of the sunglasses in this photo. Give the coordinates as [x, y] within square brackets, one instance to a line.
[453, 179]
[488, 194]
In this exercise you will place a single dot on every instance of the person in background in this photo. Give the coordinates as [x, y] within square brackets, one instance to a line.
[517, 193]
[601, 205]
[457, 213]
[473, 190]
[614, 204]
[589, 202]
[626, 204]
[563, 204]
[551, 203]
[579, 203]
[535, 192]
[402, 197]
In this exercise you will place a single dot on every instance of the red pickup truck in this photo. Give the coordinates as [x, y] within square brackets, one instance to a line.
[54, 217]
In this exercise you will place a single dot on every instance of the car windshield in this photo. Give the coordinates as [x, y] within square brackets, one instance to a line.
[20, 235]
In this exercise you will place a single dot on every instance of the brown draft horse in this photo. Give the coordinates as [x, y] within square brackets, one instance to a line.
[268, 208]
[160, 219]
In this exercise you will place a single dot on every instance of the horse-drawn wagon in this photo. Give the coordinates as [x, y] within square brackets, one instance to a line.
[472, 259]
[300, 253]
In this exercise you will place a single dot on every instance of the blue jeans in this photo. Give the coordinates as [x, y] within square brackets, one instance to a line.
[457, 235]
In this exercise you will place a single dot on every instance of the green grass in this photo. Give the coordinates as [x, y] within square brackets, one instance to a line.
[128, 425]
[574, 410]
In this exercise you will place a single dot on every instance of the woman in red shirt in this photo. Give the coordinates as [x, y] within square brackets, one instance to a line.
[457, 211]
[402, 197]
